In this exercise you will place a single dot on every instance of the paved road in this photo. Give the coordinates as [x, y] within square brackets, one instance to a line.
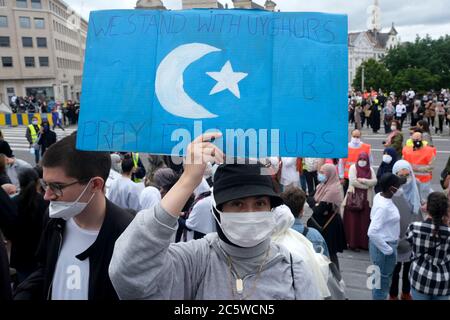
[353, 265]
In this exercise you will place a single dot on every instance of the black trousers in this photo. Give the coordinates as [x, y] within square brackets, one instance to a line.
[406, 285]
[311, 180]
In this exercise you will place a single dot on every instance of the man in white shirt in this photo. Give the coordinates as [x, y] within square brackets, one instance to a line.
[123, 191]
[400, 112]
[78, 240]
[384, 233]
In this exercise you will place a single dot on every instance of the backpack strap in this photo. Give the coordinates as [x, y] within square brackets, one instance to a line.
[292, 272]
[305, 231]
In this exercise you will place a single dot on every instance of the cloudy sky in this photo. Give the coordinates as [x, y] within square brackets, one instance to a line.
[411, 17]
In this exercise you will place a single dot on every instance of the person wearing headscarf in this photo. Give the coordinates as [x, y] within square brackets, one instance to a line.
[238, 262]
[389, 158]
[407, 201]
[326, 216]
[284, 234]
[362, 181]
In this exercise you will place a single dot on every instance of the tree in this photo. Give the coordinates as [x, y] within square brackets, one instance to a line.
[376, 75]
[426, 53]
[420, 79]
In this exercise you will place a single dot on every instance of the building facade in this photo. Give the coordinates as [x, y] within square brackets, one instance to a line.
[370, 44]
[42, 45]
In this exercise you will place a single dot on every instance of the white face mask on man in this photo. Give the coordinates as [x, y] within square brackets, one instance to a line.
[68, 210]
[246, 229]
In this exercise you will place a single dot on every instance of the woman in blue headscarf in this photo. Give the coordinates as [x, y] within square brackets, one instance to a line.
[389, 158]
[407, 200]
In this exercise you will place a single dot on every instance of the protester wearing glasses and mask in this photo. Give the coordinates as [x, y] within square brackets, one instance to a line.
[384, 233]
[78, 240]
[237, 262]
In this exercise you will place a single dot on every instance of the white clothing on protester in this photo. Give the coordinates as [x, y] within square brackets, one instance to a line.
[125, 193]
[149, 197]
[201, 218]
[71, 277]
[385, 224]
[289, 173]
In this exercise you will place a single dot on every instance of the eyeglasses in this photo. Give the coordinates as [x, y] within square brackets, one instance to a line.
[57, 188]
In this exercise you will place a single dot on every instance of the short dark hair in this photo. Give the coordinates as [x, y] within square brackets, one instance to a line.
[294, 198]
[127, 165]
[437, 207]
[81, 165]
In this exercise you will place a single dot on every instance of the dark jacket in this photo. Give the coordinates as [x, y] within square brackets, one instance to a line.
[26, 234]
[5, 148]
[7, 218]
[39, 284]
[46, 140]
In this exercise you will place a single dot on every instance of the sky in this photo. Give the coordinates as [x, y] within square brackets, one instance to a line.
[411, 17]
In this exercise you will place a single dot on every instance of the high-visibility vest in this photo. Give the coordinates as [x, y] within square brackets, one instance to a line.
[34, 134]
[353, 155]
[418, 159]
[410, 143]
[135, 157]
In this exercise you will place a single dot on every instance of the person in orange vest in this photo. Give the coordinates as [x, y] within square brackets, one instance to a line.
[421, 158]
[355, 148]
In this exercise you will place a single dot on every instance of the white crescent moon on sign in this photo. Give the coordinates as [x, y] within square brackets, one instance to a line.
[169, 81]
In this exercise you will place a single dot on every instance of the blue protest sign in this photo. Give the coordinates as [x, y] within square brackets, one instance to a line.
[272, 83]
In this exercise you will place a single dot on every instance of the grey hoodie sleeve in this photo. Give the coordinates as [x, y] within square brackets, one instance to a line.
[146, 265]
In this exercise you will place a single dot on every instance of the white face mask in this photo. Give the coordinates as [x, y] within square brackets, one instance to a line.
[356, 140]
[246, 229]
[387, 158]
[68, 210]
[393, 128]
[362, 163]
[35, 122]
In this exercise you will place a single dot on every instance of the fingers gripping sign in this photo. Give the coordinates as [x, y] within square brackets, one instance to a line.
[199, 152]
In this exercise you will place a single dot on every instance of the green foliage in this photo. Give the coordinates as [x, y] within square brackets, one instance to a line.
[422, 65]
[376, 76]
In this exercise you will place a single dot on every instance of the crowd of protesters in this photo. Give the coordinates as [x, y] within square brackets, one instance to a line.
[63, 113]
[95, 225]
[376, 109]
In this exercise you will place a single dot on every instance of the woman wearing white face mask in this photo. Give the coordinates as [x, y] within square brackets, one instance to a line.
[395, 138]
[357, 203]
[238, 262]
[407, 201]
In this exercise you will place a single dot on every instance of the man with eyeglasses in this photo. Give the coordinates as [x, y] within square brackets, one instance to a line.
[78, 241]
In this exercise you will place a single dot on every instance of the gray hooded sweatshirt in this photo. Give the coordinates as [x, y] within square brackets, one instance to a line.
[147, 265]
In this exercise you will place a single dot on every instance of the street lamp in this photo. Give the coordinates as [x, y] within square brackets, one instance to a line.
[362, 77]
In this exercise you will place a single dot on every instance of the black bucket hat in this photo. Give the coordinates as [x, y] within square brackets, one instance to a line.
[236, 181]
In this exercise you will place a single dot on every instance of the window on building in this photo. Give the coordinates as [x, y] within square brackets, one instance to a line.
[43, 61]
[27, 42]
[41, 42]
[29, 62]
[5, 42]
[21, 4]
[25, 22]
[36, 4]
[7, 62]
[3, 22]
[39, 23]
[2, 3]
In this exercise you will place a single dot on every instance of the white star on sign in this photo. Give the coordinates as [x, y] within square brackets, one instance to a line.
[227, 79]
